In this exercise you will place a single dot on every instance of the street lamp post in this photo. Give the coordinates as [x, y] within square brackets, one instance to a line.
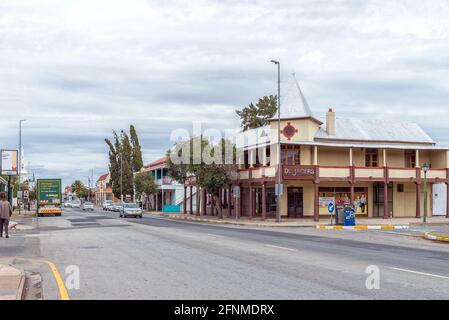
[278, 188]
[121, 176]
[20, 149]
[425, 169]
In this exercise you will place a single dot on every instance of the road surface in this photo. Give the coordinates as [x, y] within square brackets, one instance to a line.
[157, 258]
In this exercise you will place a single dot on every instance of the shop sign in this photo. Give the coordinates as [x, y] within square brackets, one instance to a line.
[297, 172]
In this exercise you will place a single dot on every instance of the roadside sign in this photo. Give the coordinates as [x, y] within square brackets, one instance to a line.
[236, 192]
[9, 162]
[279, 189]
[331, 207]
[19, 194]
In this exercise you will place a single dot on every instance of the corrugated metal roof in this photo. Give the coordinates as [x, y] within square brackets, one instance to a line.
[252, 137]
[401, 146]
[356, 129]
[158, 164]
[293, 101]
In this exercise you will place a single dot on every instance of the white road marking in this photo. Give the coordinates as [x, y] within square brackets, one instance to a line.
[283, 248]
[421, 273]
[213, 235]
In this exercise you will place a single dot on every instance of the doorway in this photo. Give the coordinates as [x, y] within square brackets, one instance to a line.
[295, 197]
[378, 199]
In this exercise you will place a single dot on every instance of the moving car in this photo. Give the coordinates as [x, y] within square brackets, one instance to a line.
[76, 204]
[88, 206]
[67, 204]
[131, 210]
[110, 207]
[106, 204]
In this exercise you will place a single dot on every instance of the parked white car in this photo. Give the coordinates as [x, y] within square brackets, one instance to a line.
[67, 204]
[76, 204]
[106, 204]
[88, 206]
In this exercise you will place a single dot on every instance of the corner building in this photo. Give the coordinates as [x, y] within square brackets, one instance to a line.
[375, 164]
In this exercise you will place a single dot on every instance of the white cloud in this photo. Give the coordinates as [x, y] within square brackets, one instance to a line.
[78, 69]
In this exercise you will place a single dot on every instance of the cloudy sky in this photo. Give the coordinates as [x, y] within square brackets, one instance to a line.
[78, 69]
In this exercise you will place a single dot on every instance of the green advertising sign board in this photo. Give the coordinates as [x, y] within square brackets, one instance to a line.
[49, 191]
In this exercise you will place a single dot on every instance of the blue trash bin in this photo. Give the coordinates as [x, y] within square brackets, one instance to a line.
[349, 213]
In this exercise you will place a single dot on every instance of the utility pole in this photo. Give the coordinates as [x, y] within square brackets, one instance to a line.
[121, 176]
[279, 188]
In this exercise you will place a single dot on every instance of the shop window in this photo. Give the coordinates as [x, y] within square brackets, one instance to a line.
[371, 158]
[400, 187]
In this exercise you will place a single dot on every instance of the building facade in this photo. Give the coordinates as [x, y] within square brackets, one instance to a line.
[170, 194]
[375, 164]
[103, 190]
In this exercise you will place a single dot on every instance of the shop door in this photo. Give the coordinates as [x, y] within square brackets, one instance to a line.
[295, 202]
[379, 199]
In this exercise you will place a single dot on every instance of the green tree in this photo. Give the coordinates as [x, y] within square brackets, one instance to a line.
[114, 163]
[212, 177]
[126, 167]
[80, 189]
[145, 185]
[255, 116]
[137, 162]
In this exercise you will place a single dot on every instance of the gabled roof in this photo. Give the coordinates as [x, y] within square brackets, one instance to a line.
[293, 102]
[375, 130]
[103, 177]
[158, 164]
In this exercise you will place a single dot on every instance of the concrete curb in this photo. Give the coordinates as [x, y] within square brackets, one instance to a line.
[12, 283]
[381, 227]
[234, 223]
[429, 236]
[434, 224]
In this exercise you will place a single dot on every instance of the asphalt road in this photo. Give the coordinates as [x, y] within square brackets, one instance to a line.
[157, 258]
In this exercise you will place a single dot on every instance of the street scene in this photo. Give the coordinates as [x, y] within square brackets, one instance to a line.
[215, 151]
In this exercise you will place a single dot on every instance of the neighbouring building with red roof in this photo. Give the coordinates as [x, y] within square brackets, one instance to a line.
[103, 190]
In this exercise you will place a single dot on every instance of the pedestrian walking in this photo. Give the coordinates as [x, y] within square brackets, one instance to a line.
[5, 214]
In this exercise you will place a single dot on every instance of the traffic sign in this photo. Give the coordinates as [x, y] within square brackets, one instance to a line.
[279, 189]
[331, 207]
[236, 192]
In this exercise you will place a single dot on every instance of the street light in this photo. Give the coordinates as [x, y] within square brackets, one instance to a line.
[20, 148]
[425, 169]
[278, 188]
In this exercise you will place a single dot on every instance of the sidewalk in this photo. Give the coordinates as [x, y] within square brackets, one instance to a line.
[12, 283]
[305, 222]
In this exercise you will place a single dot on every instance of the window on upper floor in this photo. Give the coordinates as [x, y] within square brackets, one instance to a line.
[290, 155]
[268, 155]
[371, 158]
[410, 158]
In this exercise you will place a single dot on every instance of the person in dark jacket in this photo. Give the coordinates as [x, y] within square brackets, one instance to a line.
[5, 214]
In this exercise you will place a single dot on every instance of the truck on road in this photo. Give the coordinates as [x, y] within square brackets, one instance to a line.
[49, 197]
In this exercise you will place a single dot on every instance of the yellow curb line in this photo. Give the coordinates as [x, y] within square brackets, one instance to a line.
[64, 295]
[62, 289]
[361, 227]
[429, 236]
